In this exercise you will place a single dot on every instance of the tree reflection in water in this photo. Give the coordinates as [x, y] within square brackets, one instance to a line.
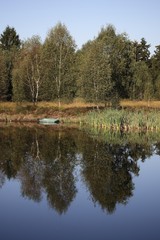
[107, 170]
[44, 159]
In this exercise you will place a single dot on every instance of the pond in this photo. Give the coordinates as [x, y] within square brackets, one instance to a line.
[68, 183]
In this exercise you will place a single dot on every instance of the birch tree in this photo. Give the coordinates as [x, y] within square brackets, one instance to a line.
[58, 61]
[28, 71]
[96, 73]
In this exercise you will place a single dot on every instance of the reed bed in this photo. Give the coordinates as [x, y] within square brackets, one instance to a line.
[125, 120]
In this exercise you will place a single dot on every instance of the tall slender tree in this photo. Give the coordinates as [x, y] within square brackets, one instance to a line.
[119, 51]
[3, 76]
[142, 82]
[96, 73]
[9, 43]
[155, 71]
[58, 62]
[28, 71]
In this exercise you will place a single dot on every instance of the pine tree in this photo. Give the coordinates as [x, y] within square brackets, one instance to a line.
[3, 75]
[142, 52]
[155, 71]
[9, 43]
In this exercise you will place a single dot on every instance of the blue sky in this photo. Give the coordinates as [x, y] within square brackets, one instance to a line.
[83, 18]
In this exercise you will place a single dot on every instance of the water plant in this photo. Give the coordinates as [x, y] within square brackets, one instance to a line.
[125, 120]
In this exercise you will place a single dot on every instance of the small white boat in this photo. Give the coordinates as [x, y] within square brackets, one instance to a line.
[49, 121]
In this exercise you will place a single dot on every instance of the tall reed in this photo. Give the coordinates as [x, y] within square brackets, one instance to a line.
[124, 119]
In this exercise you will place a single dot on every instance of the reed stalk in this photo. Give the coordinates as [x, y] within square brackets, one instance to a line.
[125, 120]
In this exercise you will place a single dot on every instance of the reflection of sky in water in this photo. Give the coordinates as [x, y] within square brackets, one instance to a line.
[147, 189]
[139, 219]
[21, 218]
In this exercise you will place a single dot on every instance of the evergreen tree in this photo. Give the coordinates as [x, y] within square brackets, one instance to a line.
[156, 62]
[9, 39]
[155, 71]
[142, 52]
[142, 82]
[3, 75]
[9, 43]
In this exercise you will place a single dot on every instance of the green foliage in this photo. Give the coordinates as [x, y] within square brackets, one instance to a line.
[142, 52]
[10, 44]
[18, 85]
[155, 71]
[58, 56]
[28, 71]
[96, 73]
[9, 39]
[157, 87]
[119, 50]
[3, 76]
[142, 87]
[107, 69]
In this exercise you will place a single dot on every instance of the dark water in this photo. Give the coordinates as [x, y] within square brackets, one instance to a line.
[63, 183]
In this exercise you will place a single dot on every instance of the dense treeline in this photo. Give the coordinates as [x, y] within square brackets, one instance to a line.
[106, 69]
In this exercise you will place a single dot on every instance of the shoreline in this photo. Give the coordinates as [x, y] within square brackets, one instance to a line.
[123, 119]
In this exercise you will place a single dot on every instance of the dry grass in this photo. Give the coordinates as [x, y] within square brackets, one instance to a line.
[13, 107]
[140, 104]
[7, 105]
[26, 111]
[79, 103]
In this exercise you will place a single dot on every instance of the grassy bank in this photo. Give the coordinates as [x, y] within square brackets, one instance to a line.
[134, 115]
[25, 111]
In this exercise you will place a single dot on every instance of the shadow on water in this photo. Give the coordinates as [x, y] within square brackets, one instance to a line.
[44, 160]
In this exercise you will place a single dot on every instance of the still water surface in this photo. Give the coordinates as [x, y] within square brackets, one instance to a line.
[63, 183]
